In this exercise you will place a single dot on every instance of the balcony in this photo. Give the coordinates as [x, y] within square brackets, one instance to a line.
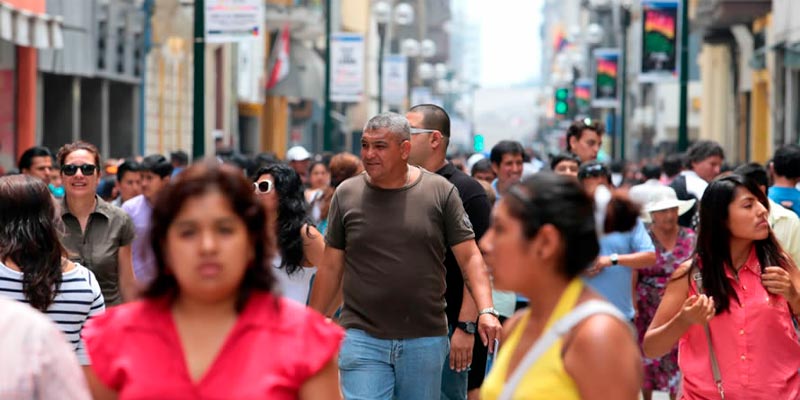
[719, 14]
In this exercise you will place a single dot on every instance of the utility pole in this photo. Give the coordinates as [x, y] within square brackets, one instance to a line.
[626, 21]
[683, 129]
[327, 132]
[198, 116]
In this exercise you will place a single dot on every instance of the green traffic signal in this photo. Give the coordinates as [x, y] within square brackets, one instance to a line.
[562, 101]
[562, 93]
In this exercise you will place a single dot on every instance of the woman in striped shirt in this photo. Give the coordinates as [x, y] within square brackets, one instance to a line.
[32, 264]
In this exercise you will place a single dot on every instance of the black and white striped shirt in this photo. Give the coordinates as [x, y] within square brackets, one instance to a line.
[79, 297]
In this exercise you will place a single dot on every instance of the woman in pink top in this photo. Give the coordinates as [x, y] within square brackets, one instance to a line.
[209, 327]
[749, 299]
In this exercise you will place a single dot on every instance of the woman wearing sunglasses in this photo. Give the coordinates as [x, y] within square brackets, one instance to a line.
[97, 235]
[299, 245]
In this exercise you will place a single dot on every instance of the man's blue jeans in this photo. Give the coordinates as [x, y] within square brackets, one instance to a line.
[454, 384]
[385, 369]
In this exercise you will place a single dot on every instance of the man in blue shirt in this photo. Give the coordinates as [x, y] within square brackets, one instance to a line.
[620, 253]
[786, 174]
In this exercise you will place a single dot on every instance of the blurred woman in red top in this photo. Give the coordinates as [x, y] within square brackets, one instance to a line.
[748, 300]
[209, 326]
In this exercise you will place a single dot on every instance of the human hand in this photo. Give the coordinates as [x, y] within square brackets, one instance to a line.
[489, 328]
[778, 281]
[697, 310]
[461, 344]
[599, 264]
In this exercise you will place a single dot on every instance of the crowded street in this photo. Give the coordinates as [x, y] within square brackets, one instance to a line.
[399, 200]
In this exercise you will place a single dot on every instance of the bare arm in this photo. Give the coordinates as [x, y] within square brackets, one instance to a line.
[476, 279]
[645, 259]
[313, 245]
[603, 359]
[675, 315]
[127, 281]
[324, 385]
[328, 280]
[99, 390]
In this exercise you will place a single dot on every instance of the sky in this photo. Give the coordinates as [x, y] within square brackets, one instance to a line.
[509, 40]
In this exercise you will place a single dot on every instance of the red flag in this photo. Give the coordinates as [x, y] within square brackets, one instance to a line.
[281, 67]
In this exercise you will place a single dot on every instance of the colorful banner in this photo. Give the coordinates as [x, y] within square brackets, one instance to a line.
[606, 62]
[659, 40]
[583, 94]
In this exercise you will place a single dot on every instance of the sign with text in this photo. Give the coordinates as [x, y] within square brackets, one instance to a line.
[347, 67]
[606, 76]
[233, 21]
[659, 41]
[395, 79]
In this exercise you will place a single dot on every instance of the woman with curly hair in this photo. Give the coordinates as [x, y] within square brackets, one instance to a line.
[299, 245]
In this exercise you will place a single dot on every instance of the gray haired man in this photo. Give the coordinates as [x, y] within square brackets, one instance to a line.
[388, 230]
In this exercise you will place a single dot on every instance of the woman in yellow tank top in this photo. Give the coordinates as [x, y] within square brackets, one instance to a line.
[542, 238]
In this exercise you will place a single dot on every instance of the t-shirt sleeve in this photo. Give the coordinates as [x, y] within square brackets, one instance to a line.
[458, 227]
[322, 341]
[334, 233]
[641, 240]
[479, 211]
[127, 230]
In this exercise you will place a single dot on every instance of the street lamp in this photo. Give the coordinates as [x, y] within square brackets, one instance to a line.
[383, 13]
[410, 48]
[428, 48]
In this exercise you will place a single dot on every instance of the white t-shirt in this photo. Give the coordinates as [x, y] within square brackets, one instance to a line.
[297, 286]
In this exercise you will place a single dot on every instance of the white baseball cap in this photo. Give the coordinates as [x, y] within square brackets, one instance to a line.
[297, 153]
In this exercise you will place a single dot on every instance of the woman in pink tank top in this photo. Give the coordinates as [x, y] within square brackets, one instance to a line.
[744, 287]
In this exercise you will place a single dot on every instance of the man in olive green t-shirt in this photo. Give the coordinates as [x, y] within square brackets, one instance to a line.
[388, 230]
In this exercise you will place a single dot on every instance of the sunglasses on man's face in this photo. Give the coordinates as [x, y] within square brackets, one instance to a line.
[263, 187]
[72, 169]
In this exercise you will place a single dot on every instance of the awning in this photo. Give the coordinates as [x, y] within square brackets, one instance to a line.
[28, 29]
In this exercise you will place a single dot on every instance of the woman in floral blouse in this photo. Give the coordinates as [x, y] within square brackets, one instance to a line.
[674, 244]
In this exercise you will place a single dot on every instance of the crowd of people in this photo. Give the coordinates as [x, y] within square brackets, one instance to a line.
[402, 273]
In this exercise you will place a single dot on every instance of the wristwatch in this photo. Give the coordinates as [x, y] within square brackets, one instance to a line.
[489, 310]
[469, 327]
[614, 257]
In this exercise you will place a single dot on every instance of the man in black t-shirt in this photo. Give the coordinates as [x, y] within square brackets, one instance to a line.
[430, 136]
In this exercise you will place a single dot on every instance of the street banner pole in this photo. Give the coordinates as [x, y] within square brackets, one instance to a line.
[683, 130]
[198, 116]
[327, 132]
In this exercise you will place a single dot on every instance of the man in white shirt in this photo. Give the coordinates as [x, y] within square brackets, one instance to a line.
[641, 193]
[704, 160]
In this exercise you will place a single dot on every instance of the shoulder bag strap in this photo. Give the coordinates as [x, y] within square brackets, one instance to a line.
[560, 328]
[694, 272]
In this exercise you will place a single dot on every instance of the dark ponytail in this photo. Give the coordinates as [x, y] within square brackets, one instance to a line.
[546, 198]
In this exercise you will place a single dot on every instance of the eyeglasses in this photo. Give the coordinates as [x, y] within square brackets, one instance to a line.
[263, 187]
[591, 124]
[72, 169]
[418, 131]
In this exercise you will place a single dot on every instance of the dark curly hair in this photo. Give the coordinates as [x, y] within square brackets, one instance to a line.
[197, 180]
[292, 214]
[29, 237]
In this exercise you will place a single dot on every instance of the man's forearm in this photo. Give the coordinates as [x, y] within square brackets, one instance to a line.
[326, 285]
[476, 280]
[469, 311]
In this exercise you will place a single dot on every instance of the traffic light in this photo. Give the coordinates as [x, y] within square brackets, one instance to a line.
[562, 102]
[478, 144]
